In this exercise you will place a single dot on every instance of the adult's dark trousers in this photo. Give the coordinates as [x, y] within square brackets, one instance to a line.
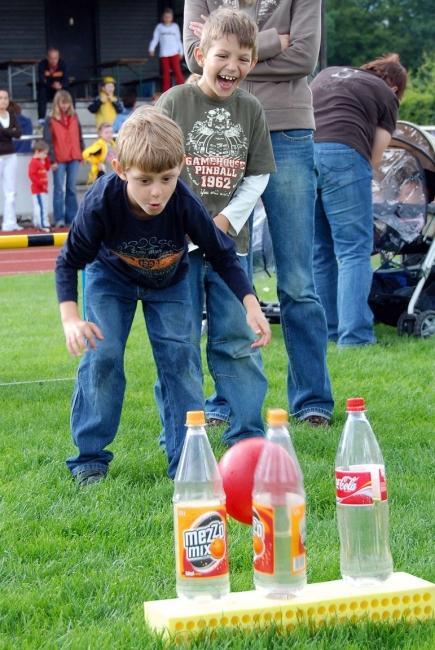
[45, 95]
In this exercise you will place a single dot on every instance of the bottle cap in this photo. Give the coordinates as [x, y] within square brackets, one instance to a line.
[276, 417]
[195, 418]
[355, 404]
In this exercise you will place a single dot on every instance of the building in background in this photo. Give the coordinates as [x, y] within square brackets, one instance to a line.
[87, 33]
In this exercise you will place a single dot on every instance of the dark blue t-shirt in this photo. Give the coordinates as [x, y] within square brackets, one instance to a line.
[150, 253]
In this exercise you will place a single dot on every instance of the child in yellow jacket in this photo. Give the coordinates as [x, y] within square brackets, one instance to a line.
[101, 153]
[106, 106]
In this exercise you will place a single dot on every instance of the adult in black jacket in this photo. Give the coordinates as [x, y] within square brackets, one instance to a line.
[52, 76]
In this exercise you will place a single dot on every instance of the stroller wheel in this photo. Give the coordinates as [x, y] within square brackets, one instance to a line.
[425, 324]
[406, 323]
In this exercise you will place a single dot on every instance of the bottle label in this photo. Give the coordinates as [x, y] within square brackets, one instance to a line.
[264, 531]
[361, 487]
[201, 542]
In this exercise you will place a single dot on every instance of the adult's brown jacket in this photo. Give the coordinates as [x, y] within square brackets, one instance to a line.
[279, 80]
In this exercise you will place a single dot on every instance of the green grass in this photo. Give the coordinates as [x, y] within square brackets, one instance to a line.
[76, 565]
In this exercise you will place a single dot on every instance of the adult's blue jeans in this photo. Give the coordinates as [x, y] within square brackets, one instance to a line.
[344, 242]
[98, 397]
[64, 191]
[289, 201]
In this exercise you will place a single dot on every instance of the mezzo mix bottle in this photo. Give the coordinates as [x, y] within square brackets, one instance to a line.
[362, 505]
[278, 523]
[200, 517]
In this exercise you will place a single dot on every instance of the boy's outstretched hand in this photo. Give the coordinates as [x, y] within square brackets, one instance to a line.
[257, 321]
[80, 335]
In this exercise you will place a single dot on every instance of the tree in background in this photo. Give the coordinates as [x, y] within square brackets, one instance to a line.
[418, 104]
[361, 30]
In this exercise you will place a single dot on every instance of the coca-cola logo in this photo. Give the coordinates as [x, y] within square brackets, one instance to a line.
[346, 483]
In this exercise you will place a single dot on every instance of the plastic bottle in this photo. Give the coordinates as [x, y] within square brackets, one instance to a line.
[278, 524]
[200, 518]
[362, 505]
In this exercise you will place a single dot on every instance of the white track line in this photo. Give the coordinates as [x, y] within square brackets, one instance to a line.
[36, 381]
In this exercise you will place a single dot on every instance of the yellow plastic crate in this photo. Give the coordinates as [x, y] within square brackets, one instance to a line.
[402, 596]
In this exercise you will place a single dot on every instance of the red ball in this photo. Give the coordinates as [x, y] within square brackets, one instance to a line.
[237, 468]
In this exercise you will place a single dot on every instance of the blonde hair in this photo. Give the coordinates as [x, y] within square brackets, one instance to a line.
[62, 96]
[226, 22]
[150, 141]
[103, 125]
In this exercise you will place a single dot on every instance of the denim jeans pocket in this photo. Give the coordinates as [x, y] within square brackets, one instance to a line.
[298, 135]
[342, 162]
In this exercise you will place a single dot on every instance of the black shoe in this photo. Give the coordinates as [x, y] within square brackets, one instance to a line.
[88, 476]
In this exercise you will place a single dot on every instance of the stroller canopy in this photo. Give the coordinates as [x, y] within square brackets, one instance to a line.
[402, 187]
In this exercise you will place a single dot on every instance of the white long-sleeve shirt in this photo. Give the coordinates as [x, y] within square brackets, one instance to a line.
[168, 38]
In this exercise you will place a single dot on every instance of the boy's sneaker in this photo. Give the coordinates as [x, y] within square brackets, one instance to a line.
[88, 476]
[317, 421]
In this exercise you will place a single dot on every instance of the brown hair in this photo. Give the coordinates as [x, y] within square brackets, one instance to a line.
[62, 96]
[226, 22]
[40, 145]
[389, 68]
[150, 141]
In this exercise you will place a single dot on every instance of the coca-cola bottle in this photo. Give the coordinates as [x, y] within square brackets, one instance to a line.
[362, 505]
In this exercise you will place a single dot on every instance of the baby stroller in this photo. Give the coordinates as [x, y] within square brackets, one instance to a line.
[403, 289]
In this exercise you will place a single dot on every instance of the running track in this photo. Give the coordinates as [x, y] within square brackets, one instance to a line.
[28, 260]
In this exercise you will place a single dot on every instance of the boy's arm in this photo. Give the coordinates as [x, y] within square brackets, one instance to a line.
[219, 250]
[242, 202]
[80, 335]
[32, 171]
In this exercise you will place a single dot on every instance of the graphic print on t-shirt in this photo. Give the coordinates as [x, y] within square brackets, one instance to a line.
[154, 258]
[216, 150]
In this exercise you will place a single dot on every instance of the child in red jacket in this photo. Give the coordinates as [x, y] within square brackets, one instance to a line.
[38, 174]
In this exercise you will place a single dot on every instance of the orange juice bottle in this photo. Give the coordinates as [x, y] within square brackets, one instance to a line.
[200, 517]
[278, 521]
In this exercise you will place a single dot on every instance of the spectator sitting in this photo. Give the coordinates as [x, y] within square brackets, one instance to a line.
[100, 153]
[51, 78]
[38, 174]
[26, 126]
[129, 102]
[106, 106]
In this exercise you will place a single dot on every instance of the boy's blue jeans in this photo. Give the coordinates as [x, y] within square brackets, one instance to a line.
[289, 202]
[97, 401]
[344, 242]
[236, 368]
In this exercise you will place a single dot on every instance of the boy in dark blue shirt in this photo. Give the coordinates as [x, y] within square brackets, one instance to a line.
[131, 230]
